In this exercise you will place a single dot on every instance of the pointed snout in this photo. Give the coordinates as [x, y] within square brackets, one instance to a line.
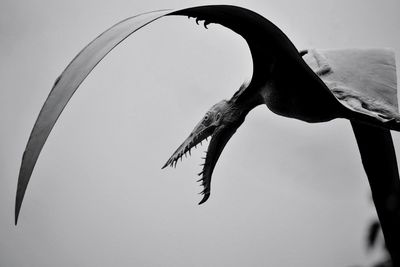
[199, 133]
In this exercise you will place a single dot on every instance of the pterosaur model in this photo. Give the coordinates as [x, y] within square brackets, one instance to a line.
[310, 85]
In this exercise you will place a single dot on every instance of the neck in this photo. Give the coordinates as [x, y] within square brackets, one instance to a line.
[242, 106]
[246, 98]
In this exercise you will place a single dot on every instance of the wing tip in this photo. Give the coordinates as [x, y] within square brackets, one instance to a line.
[17, 210]
[21, 189]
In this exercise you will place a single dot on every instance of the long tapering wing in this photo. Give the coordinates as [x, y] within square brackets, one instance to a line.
[379, 160]
[261, 35]
[66, 85]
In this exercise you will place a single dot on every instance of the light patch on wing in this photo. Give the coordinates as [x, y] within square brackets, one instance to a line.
[317, 61]
[363, 80]
[363, 104]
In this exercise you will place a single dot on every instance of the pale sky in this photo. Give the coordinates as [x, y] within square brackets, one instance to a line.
[284, 192]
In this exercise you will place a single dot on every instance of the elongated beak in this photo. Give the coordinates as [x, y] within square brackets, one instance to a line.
[219, 138]
[199, 133]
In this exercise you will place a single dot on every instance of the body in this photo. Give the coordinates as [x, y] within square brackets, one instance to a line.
[291, 94]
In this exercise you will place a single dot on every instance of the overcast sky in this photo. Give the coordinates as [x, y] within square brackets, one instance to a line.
[284, 192]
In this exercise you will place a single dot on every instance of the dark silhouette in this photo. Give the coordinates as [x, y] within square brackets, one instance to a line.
[373, 241]
[283, 81]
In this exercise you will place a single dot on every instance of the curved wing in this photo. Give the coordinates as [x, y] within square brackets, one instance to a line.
[66, 85]
[262, 36]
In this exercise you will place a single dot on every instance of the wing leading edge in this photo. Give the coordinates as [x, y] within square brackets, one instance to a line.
[66, 85]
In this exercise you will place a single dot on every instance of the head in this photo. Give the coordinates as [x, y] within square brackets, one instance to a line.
[219, 123]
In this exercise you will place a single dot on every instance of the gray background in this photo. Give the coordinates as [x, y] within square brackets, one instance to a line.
[285, 193]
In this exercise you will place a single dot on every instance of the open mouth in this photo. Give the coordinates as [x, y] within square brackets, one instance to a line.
[219, 137]
[199, 134]
[192, 141]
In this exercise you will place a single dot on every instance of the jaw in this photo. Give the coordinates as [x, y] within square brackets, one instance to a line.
[217, 144]
[199, 133]
[219, 138]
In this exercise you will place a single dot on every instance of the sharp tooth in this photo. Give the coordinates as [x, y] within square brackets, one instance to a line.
[200, 173]
[206, 138]
[190, 153]
[185, 155]
[201, 143]
[176, 161]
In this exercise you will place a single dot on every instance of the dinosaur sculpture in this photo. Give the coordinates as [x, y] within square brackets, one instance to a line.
[313, 86]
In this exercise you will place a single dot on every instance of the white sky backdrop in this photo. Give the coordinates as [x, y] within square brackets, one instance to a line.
[284, 193]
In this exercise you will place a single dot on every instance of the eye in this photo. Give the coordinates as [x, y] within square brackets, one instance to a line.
[207, 119]
[218, 116]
